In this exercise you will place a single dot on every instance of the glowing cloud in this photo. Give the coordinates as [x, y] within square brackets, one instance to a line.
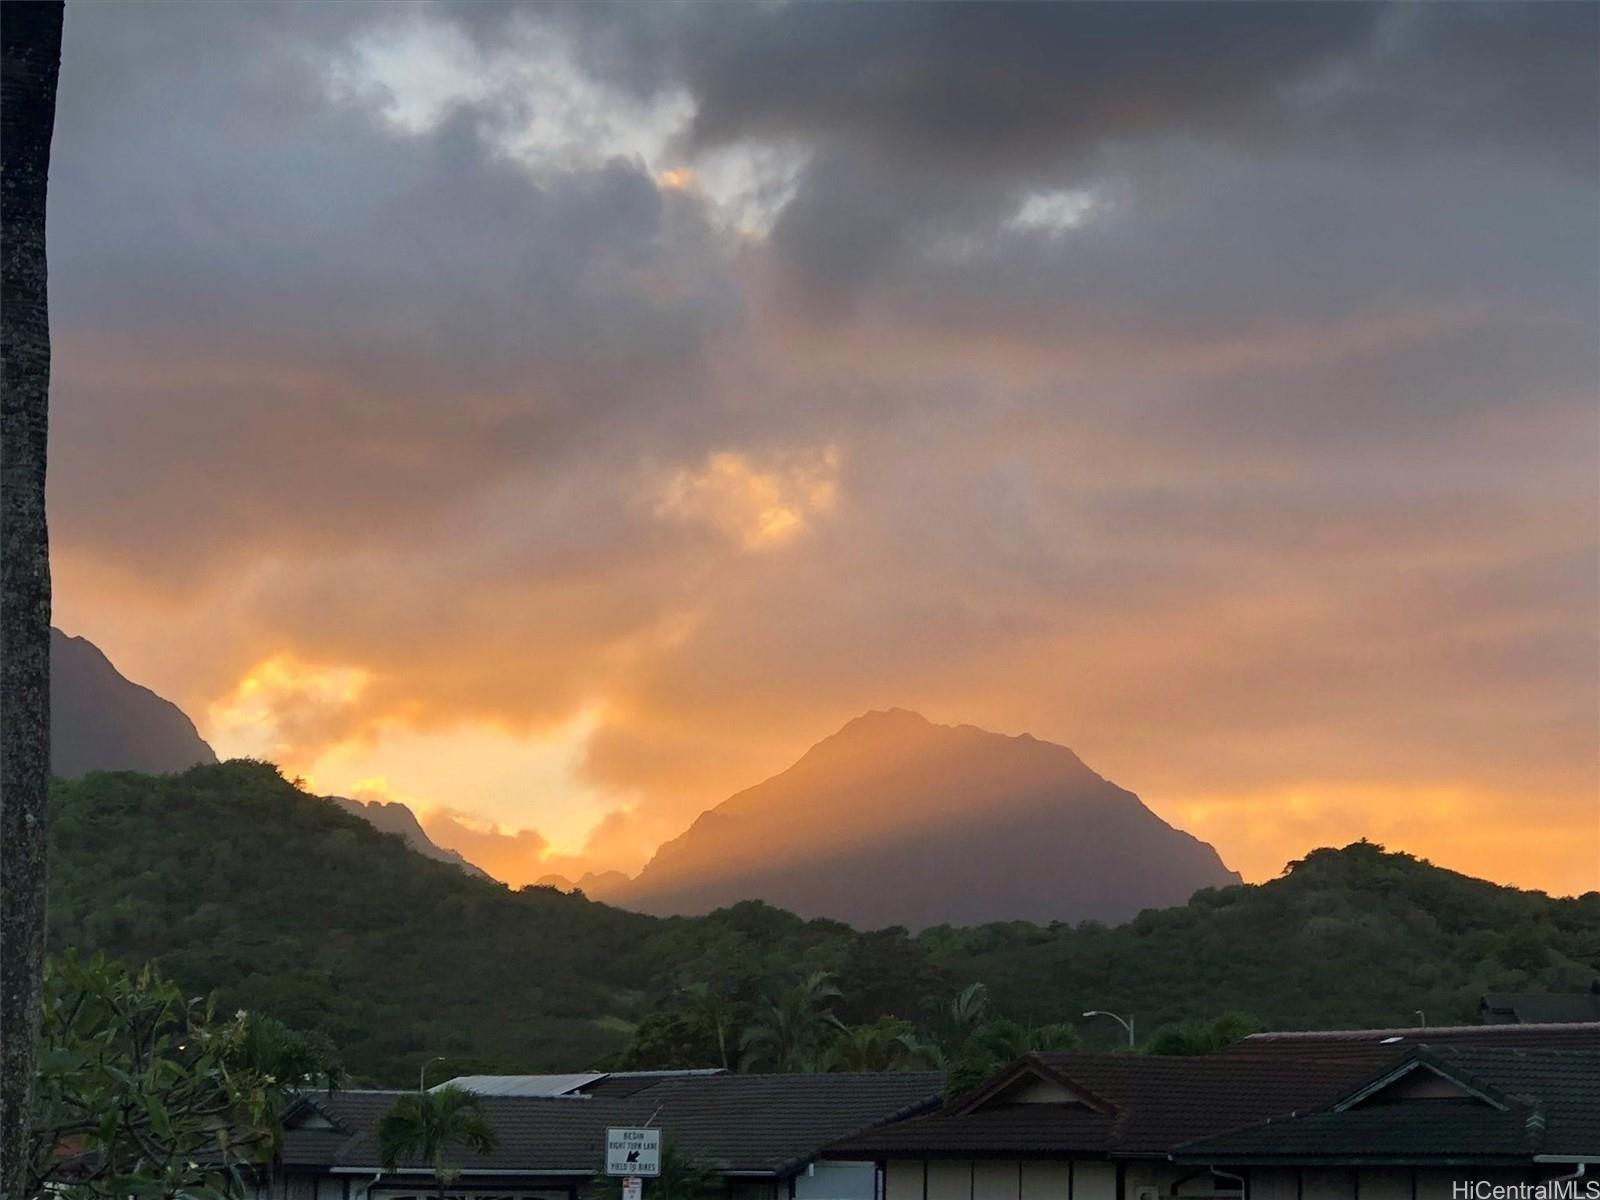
[284, 706]
[758, 507]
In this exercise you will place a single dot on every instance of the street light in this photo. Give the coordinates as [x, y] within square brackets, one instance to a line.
[1422, 1018]
[1128, 1024]
[424, 1070]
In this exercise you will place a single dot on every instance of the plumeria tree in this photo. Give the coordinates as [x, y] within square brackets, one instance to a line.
[143, 1092]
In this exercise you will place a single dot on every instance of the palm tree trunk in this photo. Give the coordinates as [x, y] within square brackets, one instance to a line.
[30, 62]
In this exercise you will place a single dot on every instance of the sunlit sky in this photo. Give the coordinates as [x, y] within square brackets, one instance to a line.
[559, 417]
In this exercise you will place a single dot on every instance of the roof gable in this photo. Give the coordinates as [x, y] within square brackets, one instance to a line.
[1424, 1077]
[1028, 1080]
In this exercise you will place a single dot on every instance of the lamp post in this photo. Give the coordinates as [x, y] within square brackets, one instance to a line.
[423, 1071]
[1422, 1018]
[1128, 1024]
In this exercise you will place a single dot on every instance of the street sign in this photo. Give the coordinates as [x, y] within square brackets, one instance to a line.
[635, 1152]
[632, 1188]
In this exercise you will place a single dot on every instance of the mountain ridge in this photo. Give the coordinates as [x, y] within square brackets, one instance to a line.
[102, 721]
[237, 882]
[392, 816]
[896, 820]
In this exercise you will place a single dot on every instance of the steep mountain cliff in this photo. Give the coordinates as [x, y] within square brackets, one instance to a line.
[100, 721]
[897, 821]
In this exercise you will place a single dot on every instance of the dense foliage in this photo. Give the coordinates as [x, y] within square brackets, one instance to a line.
[236, 881]
[430, 1126]
[144, 1092]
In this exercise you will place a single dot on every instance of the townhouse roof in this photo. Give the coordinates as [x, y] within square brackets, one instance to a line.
[735, 1124]
[1548, 1035]
[1134, 1105]
[1541, 1007]
[776, 1124]
[1147, 1105]
[1497, 1106]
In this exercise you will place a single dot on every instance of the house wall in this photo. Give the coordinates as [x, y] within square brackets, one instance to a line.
[1370, 1183]
[999, 1179]
[837, 1181]
[299, 1185]
[1044, 1180]
[1153, 1178]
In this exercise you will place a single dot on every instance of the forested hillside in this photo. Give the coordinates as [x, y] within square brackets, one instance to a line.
[283, 903]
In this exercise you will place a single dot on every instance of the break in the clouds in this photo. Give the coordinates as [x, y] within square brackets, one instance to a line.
[569, 413]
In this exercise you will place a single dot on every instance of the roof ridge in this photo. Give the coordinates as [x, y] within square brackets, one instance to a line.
[1415, 1030]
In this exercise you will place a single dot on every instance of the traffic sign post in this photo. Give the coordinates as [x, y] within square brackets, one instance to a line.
[633, 1154]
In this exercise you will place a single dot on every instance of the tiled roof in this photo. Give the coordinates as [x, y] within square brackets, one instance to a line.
[777, 1123]
[1444, 1131]
[537, 1134]
[1528, 1007]
[1151, 1104]
[1544, 1102]
[734, 1123]
[1009, 1129]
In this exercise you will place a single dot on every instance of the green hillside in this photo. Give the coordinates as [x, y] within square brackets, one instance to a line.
[283, 903]
[1344, 939]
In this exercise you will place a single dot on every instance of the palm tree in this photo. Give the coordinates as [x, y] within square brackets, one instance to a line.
[425, 1126]
[1201, 1037]
[1002, 1039]
[790, 1029]
[885, 1045]
[957, 1020]
[30, 64]
[714, 1008]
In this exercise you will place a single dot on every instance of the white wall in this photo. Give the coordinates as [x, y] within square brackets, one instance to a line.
[1332, 1183]
[1046, 1180]
[1269, 1184]
[1094, 1181]
[902, 1179]
[994, 1180]
[839, 1181]
[949, 1180]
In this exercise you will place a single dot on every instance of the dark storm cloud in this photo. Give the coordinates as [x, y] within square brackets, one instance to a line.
[927, 120]
[990, 86]
[248, 256]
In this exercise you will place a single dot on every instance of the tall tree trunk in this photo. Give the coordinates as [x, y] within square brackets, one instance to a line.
[31, 37]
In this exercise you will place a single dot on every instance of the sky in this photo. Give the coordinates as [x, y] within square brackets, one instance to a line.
[558, 417]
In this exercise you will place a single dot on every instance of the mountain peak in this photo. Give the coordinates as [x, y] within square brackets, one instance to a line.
[101, 721]
[886, 718]
[894, 819]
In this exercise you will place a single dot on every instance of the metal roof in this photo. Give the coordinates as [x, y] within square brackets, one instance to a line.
[522, 1085]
